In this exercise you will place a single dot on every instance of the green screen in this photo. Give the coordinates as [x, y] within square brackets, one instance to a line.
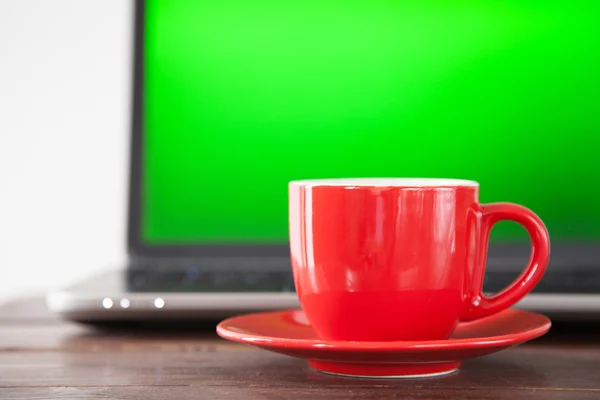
[243, 96]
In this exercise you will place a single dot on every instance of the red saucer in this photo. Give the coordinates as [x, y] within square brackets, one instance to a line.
[288, 332]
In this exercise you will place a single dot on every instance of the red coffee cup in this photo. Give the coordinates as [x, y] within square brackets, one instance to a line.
[400, 258]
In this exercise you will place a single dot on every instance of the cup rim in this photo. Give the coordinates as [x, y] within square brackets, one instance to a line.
[385, 182]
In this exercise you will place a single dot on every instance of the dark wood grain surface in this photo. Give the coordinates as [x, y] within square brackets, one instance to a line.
[44, 358]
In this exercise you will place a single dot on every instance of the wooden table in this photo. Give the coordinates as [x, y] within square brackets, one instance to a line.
[43, 358]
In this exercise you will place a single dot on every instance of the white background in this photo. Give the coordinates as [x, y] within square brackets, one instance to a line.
[64, 140]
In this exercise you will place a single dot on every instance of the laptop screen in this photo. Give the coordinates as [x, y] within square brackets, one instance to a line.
[241, 97]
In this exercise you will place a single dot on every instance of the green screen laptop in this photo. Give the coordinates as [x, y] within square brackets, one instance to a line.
[233, 99]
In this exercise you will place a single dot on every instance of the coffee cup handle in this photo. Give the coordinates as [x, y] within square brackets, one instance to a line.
[480, 305]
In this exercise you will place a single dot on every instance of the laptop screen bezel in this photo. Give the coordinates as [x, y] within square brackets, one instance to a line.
[569, 252]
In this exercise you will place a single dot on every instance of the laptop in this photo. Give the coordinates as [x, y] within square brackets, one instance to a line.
[234, 99]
